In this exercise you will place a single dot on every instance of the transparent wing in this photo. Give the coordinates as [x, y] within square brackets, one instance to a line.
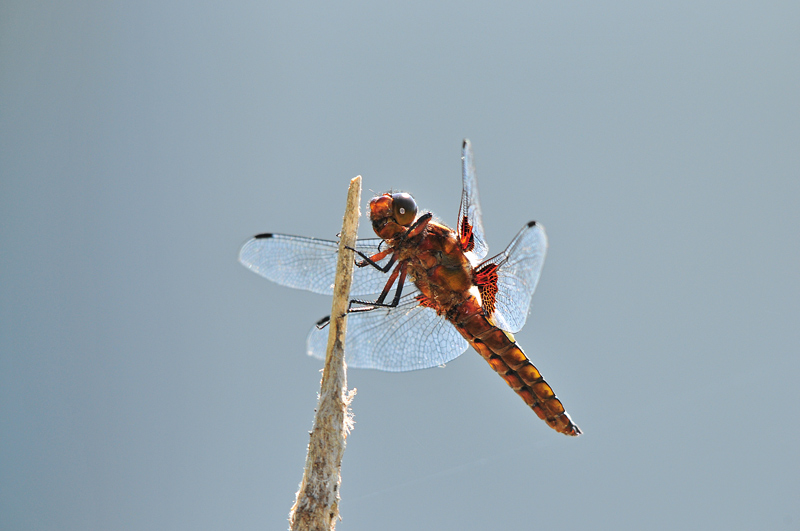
[470, 223]
[309, 263]
[518, 271]
[404, 338]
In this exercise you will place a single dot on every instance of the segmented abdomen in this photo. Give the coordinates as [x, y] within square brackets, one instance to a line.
[501, 351]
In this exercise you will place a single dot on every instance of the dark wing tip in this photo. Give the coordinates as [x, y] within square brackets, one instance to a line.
[530, 224]
[464, 143]
[262, 236]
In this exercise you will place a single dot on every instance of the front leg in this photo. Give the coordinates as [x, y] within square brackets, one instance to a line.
[418, 226]
[374, 259]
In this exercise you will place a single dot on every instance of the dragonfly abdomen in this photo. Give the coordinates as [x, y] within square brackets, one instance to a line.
[505, 356]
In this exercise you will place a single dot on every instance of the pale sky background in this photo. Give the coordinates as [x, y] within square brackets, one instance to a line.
[148, 381]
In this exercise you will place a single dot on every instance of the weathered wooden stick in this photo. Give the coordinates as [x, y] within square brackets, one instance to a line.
[317, 505]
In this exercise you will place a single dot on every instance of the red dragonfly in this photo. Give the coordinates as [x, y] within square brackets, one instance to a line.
[457, 298]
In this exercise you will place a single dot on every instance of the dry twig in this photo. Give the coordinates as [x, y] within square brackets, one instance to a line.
[317, 505]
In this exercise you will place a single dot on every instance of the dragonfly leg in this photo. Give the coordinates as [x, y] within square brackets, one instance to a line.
[418, 226]
[374, 305]
[374, 259]
[371, 305]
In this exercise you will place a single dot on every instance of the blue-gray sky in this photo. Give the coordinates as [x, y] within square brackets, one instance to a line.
[149, 381]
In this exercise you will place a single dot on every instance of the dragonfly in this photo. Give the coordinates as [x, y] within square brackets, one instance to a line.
[424, 292]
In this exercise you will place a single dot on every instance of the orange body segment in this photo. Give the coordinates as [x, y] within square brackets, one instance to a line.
[505, 356]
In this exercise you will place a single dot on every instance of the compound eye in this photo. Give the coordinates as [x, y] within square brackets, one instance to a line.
[404, 208]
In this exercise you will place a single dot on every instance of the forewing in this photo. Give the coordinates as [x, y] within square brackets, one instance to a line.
[518, 271]
[404, 338]
[309, 263]
[470, 224]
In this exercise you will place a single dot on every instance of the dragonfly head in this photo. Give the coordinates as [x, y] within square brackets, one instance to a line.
[392, 214]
